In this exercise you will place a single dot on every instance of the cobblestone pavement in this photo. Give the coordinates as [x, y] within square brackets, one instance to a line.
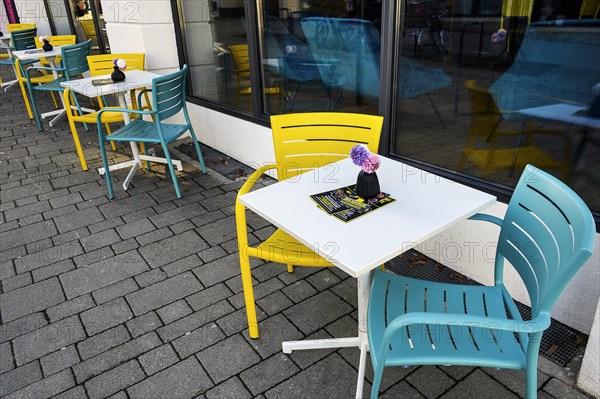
[141, 297]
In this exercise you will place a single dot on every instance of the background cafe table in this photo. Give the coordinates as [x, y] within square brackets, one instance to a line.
[425, 205]
[5, 40]
[134, 80]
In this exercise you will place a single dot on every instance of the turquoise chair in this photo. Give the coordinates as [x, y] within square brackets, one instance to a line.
[168, 98]
[547, 235]
[74, 63]
[20, 40]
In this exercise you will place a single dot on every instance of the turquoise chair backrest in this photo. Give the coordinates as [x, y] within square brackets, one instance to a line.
[74, 58]
[24, 39]
[168, 94]
[548, 233]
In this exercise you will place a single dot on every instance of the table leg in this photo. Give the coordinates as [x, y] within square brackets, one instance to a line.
[361, 341]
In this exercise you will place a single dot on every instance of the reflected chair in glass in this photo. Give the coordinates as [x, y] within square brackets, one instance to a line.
[168, 99]
[302, 142]
[487, 150]
[547, 234]
[90, 31]
[239, 52]
[74, 63]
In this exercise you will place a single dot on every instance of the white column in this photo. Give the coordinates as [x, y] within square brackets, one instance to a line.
[589, 375]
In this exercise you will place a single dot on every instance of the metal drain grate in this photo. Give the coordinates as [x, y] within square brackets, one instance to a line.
[559, 342]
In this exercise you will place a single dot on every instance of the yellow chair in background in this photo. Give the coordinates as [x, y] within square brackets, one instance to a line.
[90, 31]
[44, 78]
[13, 27]
[57, 40]
[303, 142]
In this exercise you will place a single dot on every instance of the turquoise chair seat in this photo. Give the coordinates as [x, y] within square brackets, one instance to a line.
[547, 234]
[146, 132]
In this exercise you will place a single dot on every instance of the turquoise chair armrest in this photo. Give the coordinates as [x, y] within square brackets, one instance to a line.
[39, 68]
[487, 218]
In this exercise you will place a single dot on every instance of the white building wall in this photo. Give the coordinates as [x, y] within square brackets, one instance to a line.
[33, 11]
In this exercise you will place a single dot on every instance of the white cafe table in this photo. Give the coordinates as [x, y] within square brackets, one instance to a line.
[50, 56]
[5, 40]
[134, 79]
[425, 205]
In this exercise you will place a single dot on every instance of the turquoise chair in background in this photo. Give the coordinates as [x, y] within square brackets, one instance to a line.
[168, 98]
[547, 235]
[74, 63]
[20, 40]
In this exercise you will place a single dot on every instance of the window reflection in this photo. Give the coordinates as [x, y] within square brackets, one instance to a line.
[514, 83]
[83, 21]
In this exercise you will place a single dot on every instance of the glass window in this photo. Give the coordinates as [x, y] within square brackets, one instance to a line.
[83, 13]
[486, 87]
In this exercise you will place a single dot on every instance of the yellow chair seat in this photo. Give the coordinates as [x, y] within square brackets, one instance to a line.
[107, 117]
[505, 158]
[282, 247]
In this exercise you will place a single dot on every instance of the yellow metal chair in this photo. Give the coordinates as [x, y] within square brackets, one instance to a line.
[44, 78]
[302, 142]
[485, 150]
[239, 52]
[90, 31]
[13, 27]
[101, 65]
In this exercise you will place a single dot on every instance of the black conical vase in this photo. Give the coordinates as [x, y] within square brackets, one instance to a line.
[47, 46]
[367, 185]
[117, 75]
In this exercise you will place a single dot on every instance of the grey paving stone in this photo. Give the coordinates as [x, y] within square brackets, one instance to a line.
[16, 282]
[6, 358]
[273, 331]
[323, 279]
[185, 379]
[478, 385]
[31, 220]
[174, 248]
[401, 390]
[46, 388]
[182, 265]
[78, 219]
[150, 277]
[68, 308]
[197, 340]
[218, 271]
[430, 381]
[232, 388]
[125, 246]
[114, 380]
[24, 325]
[305, 359]
[52, 270]
[27, 191]
[120, 288]
[69, 199]
[260, 291]
[143, 213]
[25, 211]
[329, 378]
[47, 339]
[126, 206]
[213, 253]
[7, 270]
[54, 213]
[89, 258]
[154, 236]
[237, 321]
[20, 377]
[219, 231]
[299, 291]
[158, 359]
[115, 356]
[105, 225]
[103, 341]
[274, 303]
[59, 360]
[561, 390]
[30, 299]
[47, 257]
[182, 226]
[269, 373]
[102, 274]
[515, 379]
[174, 311]
[207, 218]
[208, 296]
[135, 228]
[69, 236]
[105, 316]
[77, 392]
[227, 358]
[218, 201]
[31, 233]
[195, 320]
[163, 293]
[177, 215]
[309, 315]
[143, 324]
[99, 240]
[457, 372]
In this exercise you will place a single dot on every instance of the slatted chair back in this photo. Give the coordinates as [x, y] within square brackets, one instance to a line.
[547, 235]
[57, 40]
[75, 58]
[14, 27]
[168, 95]
[306, 141]
[23, 39]
[102, 64]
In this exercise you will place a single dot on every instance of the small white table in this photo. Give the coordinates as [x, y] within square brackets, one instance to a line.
[134, 80]
[5, 40]
[425, 205]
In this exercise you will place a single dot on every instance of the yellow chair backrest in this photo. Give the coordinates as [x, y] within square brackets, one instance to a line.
[589, 9]
[485, 116]
[239, 52]
[306, 141]
[14, 27]
[89, 28]
[102, 64]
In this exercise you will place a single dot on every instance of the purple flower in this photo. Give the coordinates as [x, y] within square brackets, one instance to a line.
[371, 163]
[499, 36]
[358, 154]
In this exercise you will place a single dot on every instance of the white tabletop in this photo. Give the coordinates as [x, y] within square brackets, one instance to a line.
[133, 79]
[22, 54]
[566, 113]
[425, 205]
[5, 36]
